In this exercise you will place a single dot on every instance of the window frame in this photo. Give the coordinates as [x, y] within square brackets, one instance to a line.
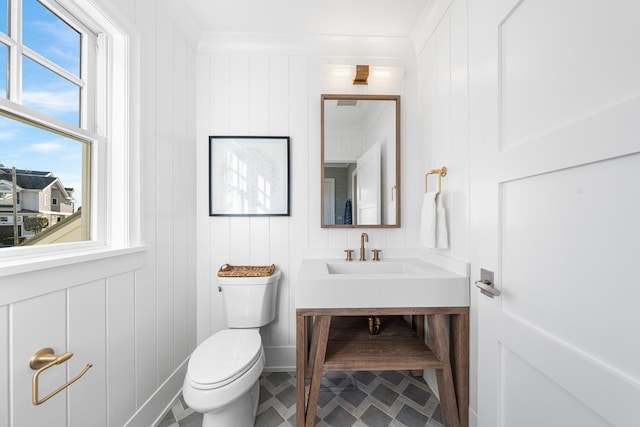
[114, 220]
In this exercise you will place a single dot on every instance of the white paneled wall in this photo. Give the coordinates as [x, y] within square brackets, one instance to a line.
[36, 323]
[90, 315]
[120, 348]
[134, 315]
[4, 366]
[443, 103]
[249, 92]
[131, 314]
[87, 334]
[250, 95]
[443, 107]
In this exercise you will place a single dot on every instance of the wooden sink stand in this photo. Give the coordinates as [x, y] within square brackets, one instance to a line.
[340, 341]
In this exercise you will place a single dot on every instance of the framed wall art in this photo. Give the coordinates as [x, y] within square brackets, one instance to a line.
[248, 175]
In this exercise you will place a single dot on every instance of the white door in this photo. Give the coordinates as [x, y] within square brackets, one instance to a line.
[368, 185]
[329, 201]
[555, 176]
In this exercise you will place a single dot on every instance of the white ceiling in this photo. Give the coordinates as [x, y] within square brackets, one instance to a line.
[394, 18]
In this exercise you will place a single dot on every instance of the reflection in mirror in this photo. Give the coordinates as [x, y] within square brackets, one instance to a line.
[360, 157]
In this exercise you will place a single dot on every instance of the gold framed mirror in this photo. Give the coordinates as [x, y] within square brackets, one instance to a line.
[360, 161]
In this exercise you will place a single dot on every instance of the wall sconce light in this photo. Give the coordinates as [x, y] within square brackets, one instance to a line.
[362, 75]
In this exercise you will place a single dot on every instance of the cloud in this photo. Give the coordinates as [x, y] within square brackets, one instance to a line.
[52, 103]
[8, 133]
[46, 147]
[59, 31]
[57, 41]
[66, 59]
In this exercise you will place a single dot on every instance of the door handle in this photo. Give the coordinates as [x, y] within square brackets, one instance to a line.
[486, 287]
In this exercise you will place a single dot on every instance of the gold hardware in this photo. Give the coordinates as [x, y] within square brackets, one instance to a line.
[45, 356]
[374, 325]
[362, 75]
[349, 254]
[376, 254]
[440, 172]
[42, 360]
[364, 237]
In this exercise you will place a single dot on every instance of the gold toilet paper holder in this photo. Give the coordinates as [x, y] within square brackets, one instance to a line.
[42, 360]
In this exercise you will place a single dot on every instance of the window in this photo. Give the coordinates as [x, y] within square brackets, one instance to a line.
[6, 195]
[96, 97]
[48, 97]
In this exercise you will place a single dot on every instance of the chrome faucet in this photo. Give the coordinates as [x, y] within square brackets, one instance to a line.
[364, 237]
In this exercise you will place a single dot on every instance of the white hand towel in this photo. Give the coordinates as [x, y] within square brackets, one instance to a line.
[442, 235]
[428, 220]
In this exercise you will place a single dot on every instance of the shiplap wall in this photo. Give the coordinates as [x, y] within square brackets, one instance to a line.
[132, 315]
[441, 45]
[140, 324]
[233, 99]
[257, 92]
[443, 107]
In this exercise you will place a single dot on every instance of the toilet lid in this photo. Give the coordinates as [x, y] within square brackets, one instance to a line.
[223, 357]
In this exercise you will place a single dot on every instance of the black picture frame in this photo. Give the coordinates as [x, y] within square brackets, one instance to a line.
[249, 176]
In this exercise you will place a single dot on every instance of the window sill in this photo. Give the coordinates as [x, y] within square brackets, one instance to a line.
[26, 277]
[18, 265]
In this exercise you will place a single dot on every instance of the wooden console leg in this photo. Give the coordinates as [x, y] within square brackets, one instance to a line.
[301, 363]
[460, 363]
[417, 322]
[313, 348]
[321, 338]
[440, 346]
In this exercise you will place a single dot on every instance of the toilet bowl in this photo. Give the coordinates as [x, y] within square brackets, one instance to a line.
[222, 380]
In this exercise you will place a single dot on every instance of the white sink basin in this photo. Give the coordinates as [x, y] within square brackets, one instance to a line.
[376, 267]
[406, 282]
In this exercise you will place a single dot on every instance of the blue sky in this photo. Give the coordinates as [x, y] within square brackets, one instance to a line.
[27, 147]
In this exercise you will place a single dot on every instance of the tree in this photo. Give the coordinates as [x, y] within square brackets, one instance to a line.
[35, 223]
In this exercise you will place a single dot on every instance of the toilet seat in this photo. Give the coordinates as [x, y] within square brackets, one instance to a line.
[224, 357]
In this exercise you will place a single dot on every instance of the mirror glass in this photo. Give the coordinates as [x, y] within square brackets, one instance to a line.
[360, 155]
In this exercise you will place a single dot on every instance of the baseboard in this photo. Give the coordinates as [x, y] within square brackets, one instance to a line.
[280, 359]
[153, 410]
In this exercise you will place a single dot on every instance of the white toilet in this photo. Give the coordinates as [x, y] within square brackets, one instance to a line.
[223, 372]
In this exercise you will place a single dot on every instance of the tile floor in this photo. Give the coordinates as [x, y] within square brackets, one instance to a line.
[347, 399]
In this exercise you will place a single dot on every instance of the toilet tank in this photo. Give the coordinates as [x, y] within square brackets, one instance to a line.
[249, 302]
